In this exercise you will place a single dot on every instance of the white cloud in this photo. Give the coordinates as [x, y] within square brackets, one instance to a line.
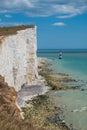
[44, 8]
[13, 23]
[59, 24]
[28, 3]
[66, 16]
[72, 11]
[8, 16]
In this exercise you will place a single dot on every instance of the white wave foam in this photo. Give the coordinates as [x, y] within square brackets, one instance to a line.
[80, 110]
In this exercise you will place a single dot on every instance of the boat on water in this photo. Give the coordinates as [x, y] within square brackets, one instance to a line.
[60, 55]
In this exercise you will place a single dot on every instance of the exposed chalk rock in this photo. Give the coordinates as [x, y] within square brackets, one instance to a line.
[18, 60]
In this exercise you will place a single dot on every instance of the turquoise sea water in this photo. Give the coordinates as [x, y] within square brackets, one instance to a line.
[73, 102]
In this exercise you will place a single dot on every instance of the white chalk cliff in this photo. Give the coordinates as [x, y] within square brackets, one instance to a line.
[18, 60]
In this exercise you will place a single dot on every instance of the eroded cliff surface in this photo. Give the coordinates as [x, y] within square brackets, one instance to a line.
[18, 60]
[10, 118]
[8, 97]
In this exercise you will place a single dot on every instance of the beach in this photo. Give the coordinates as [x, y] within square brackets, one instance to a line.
[38, 106]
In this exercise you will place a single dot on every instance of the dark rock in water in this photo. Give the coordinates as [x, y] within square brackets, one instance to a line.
[71, 127]
[82, 89]
[63, 74]
[55, 119]
[61, 122]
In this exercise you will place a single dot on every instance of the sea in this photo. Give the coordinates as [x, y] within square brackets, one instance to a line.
[72, 102]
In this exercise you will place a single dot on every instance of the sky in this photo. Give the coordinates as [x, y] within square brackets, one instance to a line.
[61, 24]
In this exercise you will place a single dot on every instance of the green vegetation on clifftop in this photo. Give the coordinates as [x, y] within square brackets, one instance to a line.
[4, 31]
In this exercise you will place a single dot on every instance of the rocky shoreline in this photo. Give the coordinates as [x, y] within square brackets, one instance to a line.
[57, 82]
[38, 108]
[41, 109]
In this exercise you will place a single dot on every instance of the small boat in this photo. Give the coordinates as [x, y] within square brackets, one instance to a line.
[60, 55]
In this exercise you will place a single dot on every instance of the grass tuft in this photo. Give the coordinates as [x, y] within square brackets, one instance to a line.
[5, 31]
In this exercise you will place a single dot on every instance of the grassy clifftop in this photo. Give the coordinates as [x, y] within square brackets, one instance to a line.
[4, 31]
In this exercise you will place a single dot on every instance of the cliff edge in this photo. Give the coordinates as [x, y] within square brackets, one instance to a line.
[18, 60]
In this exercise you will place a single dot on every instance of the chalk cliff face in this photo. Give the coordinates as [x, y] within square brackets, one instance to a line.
[18, 60]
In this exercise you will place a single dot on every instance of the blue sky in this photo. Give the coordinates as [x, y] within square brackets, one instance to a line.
[60, 24]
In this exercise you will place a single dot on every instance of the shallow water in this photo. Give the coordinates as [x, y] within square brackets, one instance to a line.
[74, 105]
[73, 102]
